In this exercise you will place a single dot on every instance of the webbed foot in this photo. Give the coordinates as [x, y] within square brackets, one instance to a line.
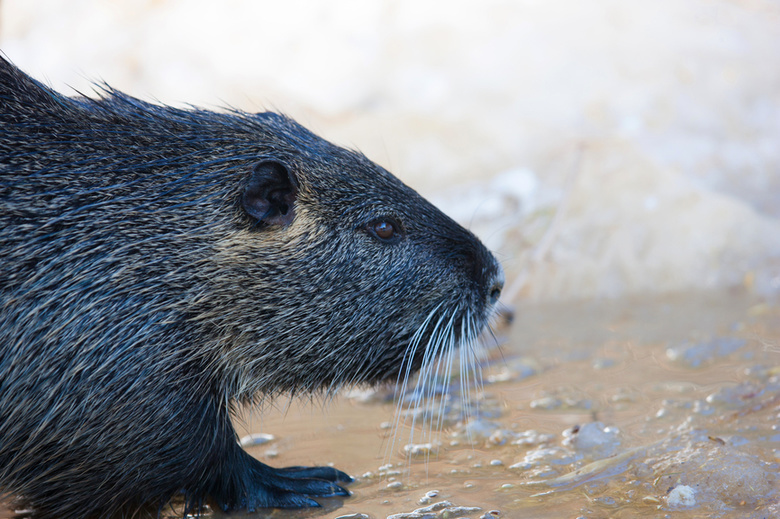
[288, 487]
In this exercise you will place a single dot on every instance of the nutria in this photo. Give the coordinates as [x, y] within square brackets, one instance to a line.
[160, 265]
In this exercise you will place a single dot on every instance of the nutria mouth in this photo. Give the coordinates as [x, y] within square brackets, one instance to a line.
[160, 264]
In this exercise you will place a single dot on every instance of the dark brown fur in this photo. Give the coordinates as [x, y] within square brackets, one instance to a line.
[159, 264]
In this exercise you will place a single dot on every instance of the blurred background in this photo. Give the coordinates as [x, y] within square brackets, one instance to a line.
[603, 149]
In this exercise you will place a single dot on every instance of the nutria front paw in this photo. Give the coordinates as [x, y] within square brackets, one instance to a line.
[288, 487]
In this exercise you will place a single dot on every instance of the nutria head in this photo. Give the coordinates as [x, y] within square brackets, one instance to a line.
[335, 272]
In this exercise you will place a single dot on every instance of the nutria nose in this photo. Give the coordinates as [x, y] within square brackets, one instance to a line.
[494, 292]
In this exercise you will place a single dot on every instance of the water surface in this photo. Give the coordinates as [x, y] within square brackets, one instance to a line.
[597, 409]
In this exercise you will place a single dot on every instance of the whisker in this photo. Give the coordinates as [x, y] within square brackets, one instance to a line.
[436, 360]
[405, 374]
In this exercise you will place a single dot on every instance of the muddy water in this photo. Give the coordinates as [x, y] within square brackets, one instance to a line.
[635, 408]
[642, 408]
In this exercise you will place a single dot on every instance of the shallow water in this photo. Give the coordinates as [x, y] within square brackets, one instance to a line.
[588, 410]
[664, 392]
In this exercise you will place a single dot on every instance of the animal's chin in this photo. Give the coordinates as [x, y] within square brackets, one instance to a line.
[396, 356]
[441, 335]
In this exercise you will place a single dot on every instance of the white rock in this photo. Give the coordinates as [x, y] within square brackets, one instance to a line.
[681, 496]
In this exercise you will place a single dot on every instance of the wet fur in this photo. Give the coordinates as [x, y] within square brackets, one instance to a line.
[142, 296]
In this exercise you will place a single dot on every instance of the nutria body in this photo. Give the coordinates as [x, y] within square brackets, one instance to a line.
[160, 264]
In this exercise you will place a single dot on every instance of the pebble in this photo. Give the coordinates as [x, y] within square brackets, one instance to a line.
[424, 500]
[441, 505]
[253, 440]
[681, 496]
[547, 403]
[421, 449]
[593, 437]
[412, 515]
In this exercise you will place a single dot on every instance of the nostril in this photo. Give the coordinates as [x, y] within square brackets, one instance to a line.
[495, 293]
[495, 289]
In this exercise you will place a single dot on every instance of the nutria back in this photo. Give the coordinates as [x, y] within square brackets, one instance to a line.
[160, 264]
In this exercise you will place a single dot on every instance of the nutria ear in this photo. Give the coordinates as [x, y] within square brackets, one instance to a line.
[269, 195]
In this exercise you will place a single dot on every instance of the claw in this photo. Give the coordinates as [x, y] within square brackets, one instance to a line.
[310, 486]
[324, 473]
[295, 501]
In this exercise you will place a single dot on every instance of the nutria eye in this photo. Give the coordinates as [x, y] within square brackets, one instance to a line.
[385, 229]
